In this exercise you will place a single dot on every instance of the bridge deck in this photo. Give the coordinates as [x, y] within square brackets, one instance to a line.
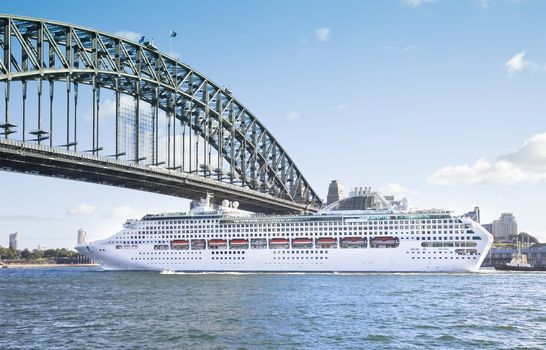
[27, 158]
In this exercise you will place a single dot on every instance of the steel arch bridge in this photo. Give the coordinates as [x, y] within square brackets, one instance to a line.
[172, 130]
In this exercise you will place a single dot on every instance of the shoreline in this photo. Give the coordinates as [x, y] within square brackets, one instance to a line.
[34, 266]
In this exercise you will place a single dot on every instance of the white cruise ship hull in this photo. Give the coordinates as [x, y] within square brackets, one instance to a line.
[318, 261]
[409, 256]
[230, 240]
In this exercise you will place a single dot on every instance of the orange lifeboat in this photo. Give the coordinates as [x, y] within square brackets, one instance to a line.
[180, 242]
[302, 240]
[215, 243]
[326, 240]
[278, 241]
[238, 242]
[353, 242]
[384, 241]
[302, 243]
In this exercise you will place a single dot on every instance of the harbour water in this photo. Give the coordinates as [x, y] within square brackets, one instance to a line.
[85, 308]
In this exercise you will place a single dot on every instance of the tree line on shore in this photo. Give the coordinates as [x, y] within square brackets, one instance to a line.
[36, 254]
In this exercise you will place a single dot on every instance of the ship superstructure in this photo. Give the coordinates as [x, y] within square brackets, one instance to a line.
[357, 234]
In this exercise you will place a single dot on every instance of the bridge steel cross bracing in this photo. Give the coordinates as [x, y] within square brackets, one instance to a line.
[41, 54]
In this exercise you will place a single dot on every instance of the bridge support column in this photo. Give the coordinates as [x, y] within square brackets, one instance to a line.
[75, 115]
[6, 125]
[68, 111]
[51, 86]
[24, 110]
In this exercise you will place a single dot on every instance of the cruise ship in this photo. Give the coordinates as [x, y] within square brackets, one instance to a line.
[361, 233]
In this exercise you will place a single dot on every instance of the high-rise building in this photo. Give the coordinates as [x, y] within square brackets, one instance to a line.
[488, 227]
[505, 226]
[82, 236]
[474, 215]
[14, 241]
[336, 191]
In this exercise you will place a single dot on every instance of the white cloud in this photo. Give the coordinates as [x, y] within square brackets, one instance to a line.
[416, 3]
[323, 34]
[341, 107]
[107, 108]
[484, 3]
[129, 35]
[392, 188]
[517, 63]
[121, 212]
[395, 189]
[528, 164]
[82, 209]
[293, 115]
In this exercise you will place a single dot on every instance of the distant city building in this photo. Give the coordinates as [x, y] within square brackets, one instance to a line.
[488, 227]
[82, 236]
[474, 215]
[504, 227]
[336, 191]
[41, 247]
[14, 241]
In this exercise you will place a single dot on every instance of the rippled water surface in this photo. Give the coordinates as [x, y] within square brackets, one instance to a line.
[84, 308]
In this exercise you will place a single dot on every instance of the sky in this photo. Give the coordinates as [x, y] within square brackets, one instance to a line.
[438, 101]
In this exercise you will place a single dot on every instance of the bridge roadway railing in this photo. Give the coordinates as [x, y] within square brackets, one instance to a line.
[24, 157]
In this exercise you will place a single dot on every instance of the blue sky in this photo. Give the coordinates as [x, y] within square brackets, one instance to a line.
[440, 101]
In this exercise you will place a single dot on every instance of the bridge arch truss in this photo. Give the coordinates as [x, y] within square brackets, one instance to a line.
[205, 129]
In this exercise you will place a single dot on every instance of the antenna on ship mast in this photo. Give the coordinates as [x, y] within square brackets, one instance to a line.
[208, 198]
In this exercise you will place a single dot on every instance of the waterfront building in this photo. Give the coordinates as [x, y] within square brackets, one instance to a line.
[14, 241]
[82, 236]
[505, 227]
[336, 192]
[474, 214]
[536, 256]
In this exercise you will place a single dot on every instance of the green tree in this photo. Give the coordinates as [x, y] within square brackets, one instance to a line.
[9, 254]
[26, 254]
[50, 253]
[39, 254]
